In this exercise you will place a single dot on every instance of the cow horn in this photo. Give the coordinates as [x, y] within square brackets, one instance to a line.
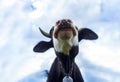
[44, 33]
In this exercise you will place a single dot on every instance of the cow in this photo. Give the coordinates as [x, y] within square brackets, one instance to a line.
[64, 38]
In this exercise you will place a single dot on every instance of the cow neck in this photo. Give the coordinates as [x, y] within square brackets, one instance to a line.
[66, 66]
[66, 61]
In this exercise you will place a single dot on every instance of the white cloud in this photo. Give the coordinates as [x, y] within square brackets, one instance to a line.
[102, 55]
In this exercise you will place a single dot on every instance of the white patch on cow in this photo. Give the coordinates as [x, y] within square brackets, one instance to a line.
[64, 46]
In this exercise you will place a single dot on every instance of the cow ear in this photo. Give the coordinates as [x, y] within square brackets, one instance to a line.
[86, 33]
[43, 46]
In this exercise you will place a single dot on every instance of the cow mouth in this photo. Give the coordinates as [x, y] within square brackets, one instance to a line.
[64, 33]
[66, 29]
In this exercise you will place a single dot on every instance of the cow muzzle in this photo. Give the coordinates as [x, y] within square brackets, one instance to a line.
[64, 29]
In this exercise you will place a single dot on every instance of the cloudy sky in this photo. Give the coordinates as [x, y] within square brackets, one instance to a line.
[98, 60]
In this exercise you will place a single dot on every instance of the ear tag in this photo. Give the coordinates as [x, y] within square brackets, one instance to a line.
[67, 79]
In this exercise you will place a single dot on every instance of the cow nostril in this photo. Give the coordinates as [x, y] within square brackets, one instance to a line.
[69, 21]
[57, 22]
[64, 24]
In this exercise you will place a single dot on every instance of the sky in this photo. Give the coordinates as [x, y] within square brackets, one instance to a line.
[98, 60]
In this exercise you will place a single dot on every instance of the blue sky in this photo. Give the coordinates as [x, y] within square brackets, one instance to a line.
[19, 21]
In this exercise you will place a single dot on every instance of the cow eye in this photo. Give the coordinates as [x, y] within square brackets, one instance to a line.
[69, 21]
[57, 22]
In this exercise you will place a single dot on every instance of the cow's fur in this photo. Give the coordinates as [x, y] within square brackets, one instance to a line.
[65, 37]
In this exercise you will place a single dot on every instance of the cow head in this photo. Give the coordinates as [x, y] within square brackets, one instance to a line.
[63, 36]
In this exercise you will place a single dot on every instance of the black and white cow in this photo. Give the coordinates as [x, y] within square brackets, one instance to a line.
[65, 38]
